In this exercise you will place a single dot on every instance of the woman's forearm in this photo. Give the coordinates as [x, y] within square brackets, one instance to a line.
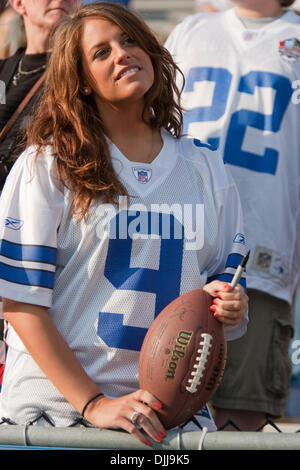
[50, 351]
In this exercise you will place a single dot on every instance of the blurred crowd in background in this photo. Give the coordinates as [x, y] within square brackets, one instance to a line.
[12, 34]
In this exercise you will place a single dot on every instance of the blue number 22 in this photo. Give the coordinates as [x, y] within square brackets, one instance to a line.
[240, 120]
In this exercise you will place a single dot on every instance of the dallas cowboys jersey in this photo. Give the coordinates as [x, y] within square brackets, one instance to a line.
[105, 279]
[241, 96]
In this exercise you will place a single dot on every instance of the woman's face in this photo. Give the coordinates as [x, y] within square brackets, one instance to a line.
[117, 69]
[45, 13]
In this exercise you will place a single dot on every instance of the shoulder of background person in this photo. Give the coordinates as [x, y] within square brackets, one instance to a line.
[8, 65]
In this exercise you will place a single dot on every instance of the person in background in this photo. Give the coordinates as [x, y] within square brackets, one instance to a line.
[240, 68]
[97, 251]
[21, 72]
[7, 15]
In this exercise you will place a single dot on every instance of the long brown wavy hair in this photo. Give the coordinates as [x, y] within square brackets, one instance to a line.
[70, 120]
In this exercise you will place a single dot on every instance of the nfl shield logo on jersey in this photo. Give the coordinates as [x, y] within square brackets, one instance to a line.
[143, 175]
[289, 49]
[249, 35]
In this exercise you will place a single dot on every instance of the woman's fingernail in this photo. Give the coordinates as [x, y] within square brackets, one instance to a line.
[148, 443]
[213, 308]
[216, 315]
[215, 301]
[219, 295]
[159, 439]
[158, 405]
[163, 434]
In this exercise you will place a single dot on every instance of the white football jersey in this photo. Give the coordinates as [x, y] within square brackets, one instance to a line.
[242, 95]
[104, 280]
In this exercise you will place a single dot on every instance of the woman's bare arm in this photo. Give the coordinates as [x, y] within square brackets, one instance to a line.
[50, 351]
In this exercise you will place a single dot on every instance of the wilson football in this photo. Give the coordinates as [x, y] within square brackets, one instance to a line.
[183, 357]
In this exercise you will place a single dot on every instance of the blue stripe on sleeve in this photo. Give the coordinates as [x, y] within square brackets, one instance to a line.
[233, 260]
[37, 253]
[226, 277]
[28, 277]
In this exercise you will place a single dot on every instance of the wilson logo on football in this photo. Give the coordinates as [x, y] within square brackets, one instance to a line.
[182, 342]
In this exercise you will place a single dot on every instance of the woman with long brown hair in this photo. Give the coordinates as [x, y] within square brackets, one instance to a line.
[109, 215]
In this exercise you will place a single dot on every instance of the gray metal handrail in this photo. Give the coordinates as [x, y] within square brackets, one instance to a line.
[91, 438]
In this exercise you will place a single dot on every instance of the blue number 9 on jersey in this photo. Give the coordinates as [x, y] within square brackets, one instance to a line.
[164, 282]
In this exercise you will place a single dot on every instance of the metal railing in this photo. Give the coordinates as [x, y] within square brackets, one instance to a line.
[80, 436]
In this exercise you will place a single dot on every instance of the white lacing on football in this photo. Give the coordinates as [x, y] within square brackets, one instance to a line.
[201, 360]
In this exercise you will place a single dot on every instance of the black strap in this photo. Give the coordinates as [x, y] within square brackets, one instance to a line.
[90, 401]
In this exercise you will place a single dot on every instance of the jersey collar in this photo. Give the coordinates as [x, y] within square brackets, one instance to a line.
[145, 177]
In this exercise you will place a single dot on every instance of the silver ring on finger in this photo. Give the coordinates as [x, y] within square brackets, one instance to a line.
[135, 416]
